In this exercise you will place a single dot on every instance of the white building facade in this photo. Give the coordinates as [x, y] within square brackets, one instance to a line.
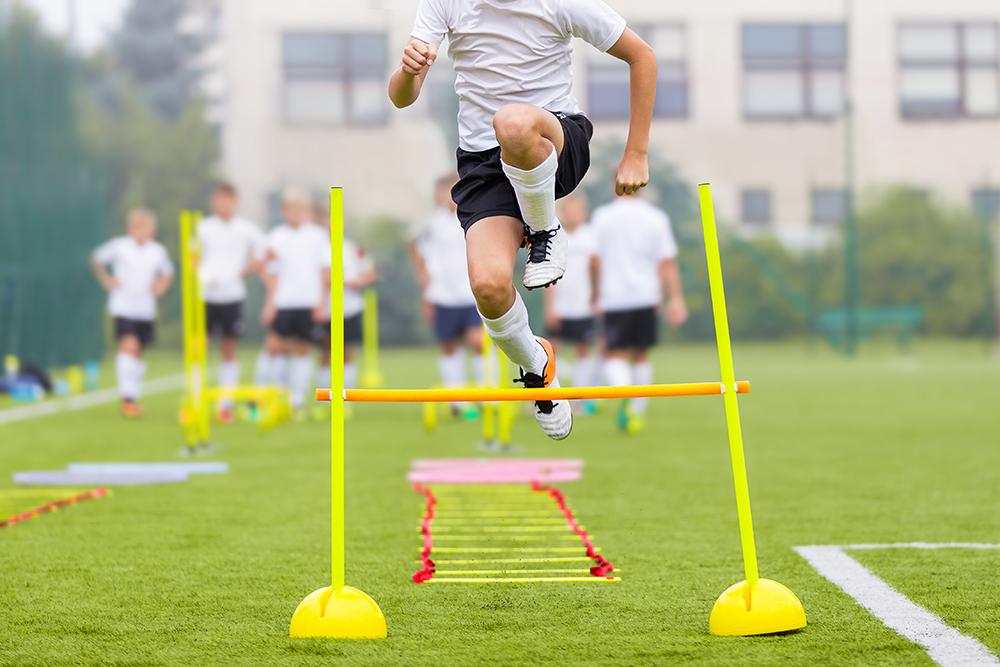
[753, 96]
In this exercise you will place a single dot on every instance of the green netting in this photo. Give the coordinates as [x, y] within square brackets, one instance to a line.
[52, 206]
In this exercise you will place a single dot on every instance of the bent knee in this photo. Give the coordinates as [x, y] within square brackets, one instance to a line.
[492, 290]
[516, 124]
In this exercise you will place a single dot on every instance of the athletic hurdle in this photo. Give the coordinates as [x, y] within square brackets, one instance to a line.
[371, 374]
[196, 407]
[754, 606]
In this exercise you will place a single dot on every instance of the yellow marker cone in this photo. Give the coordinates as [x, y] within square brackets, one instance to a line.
[754, 606]
[337, 611]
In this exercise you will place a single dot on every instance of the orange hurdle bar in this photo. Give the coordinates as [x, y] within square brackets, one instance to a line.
[549, 394]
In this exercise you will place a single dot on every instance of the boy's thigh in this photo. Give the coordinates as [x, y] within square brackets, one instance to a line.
[491, 246]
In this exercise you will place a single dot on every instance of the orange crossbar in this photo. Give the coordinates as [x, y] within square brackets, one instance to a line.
[548, 394]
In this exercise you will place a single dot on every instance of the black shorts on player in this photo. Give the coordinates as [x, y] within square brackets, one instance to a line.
[483, 190]
[454, 322]
[633, 329]
[352, 329]
[224, 319]
[141, 329]
[579, 331]
[294, 323]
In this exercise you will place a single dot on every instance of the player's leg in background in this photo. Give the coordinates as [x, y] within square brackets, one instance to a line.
[130, 369]
[531, 140]
[642, 373]
[585, 373]
[300, 373]
[451, 365]
[474, 342]
[229, 373]
[276, 351]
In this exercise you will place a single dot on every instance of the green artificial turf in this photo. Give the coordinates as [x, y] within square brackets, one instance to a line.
[875, 449]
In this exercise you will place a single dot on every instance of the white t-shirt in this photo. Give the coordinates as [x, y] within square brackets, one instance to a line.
[513, 51]
[633, 237]
[136, 266]
[355, 264]
[441, 243]
[300, 257]
[226, 249]
[572, 297]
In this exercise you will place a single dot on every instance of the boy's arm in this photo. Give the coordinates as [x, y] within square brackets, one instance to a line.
[162, 284]
[670, 275]
[406, 82]
[633, 170]
[595, 283]
[104, 277]
[419, 265]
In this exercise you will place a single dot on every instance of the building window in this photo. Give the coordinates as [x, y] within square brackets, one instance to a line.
[335, 77]
[986, 203]
[608, 78]
[794, 71]
[830, 206]
[755, 206]
[949, 70]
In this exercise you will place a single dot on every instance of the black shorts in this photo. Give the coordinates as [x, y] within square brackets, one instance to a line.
[483, 190]
[141, 329]
[295, 323]
[224, 319]
[580, 331]
[630, 329]
[453, 322]
[353, 329]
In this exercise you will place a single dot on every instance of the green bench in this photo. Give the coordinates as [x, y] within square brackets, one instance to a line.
[903, 320]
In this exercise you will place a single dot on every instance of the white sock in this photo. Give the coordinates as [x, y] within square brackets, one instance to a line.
[584, 372]
[229, 374]
[478, 369]
[300, 373]
[617, 373]
[229, 378]
[323, 377]
[138, 376]
[566, 369]
[642, 373]
[512, 334]
[350, 375]
[279, 370]
[125, 372]
[535, 190]
[262, 370]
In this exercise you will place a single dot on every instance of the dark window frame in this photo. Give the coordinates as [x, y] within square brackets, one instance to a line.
[602, 65]
[805, 65]
[959, 65]
[816, 191]
[753, 220]
[991, 210]
[344, 72]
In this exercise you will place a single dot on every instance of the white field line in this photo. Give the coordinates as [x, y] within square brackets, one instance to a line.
[943, 643]
[84, 401]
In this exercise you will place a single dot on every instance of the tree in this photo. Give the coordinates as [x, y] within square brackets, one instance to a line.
[158, 55]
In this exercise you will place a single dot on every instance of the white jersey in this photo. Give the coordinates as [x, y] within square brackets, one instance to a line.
[136, 267]
[512, 51]
[300, 256]
[355, 264]
[441, 243]
[227, 246]
[572, 299]
[633, 238]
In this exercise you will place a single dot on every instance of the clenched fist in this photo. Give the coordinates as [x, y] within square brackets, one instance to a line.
[633, 174]
[418, 56]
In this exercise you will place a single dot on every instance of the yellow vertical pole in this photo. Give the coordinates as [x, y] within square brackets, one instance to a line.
[371, 374]
[490, 377]
[200, 333]
[191, 427]
[337, 387]
[729, 382]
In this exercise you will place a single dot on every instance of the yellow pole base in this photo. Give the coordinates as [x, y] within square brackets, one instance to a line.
[345, 613]
[773, 608]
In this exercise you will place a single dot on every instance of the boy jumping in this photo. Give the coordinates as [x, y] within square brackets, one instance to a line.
[523, 143]
[141, 272]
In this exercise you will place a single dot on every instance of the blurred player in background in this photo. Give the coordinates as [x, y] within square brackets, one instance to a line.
[231, 249]
[297, 279]
[438, 254]
[359, 273]
[571, 305]
[635, 269]
[140, 273]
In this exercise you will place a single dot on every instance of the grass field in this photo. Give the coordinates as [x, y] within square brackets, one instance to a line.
[874, 450]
